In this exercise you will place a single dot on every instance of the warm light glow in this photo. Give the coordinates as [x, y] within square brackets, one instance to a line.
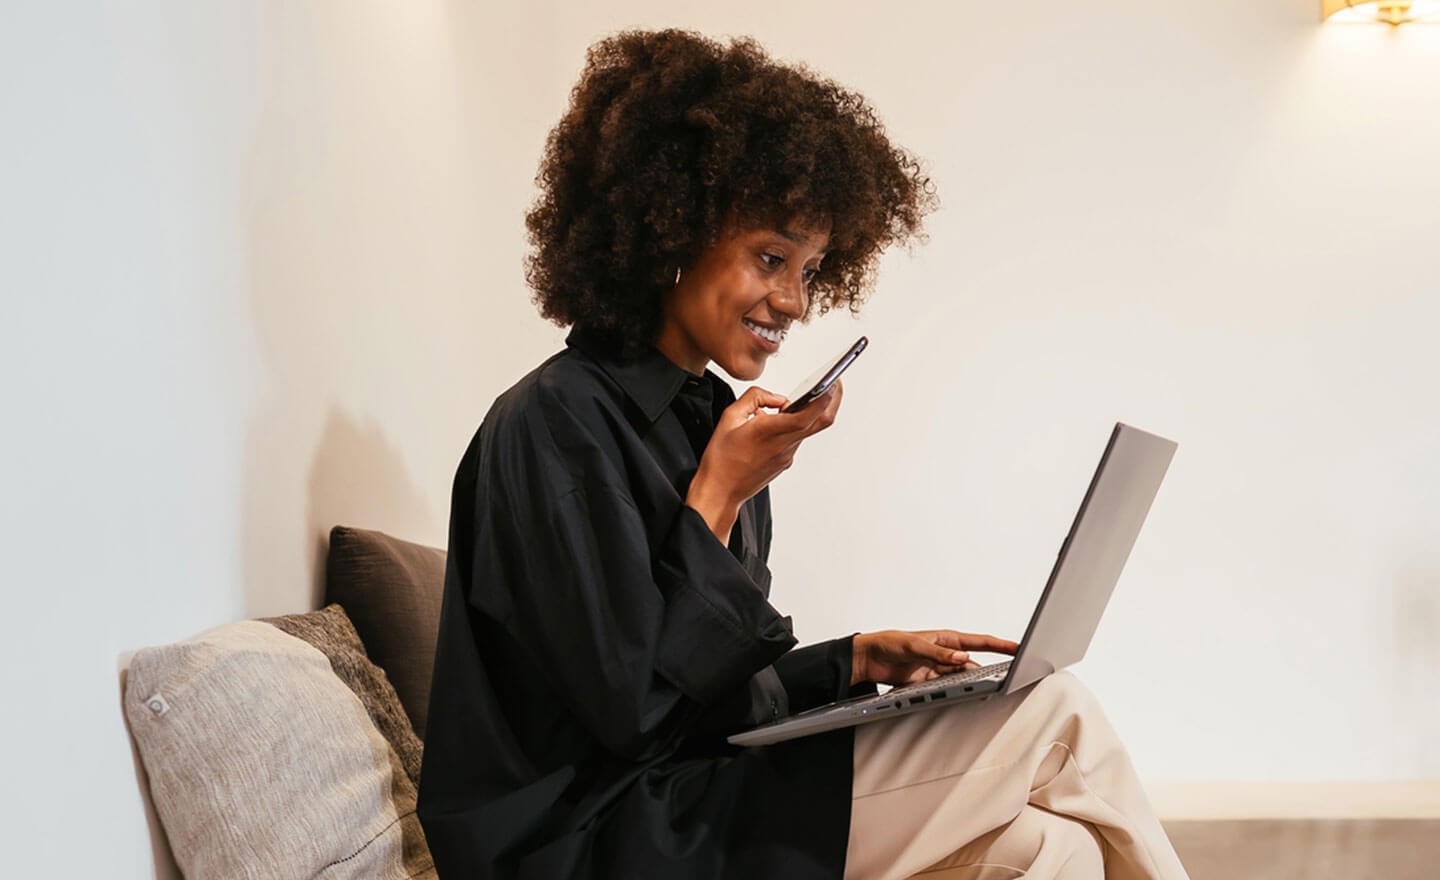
[1394, 12]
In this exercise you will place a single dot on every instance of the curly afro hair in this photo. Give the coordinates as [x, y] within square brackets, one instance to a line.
[670, 140]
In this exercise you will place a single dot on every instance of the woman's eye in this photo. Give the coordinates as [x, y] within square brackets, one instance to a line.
[772, 261]
[810, 275]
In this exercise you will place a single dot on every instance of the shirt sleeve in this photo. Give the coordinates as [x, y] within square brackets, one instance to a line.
[819, 674]
[637, 619]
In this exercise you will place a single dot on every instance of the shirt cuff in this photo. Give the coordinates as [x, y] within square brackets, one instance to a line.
[817, 674]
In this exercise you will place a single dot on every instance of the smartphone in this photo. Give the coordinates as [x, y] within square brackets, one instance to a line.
[820, 382]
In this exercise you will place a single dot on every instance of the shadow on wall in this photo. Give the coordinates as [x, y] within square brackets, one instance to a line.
[357, 477]
[356, 191]
[1416, 678]
[384, 234]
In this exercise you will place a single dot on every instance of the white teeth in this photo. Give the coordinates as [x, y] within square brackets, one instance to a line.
[774, 336]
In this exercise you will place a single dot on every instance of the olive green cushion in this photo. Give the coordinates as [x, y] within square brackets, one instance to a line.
[391, 590]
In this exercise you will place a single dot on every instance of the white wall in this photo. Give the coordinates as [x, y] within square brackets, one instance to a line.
[260, 267]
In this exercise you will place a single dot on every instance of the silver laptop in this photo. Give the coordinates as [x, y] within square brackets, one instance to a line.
[1064, 621]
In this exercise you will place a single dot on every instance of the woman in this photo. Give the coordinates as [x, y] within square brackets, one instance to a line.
[606, 621]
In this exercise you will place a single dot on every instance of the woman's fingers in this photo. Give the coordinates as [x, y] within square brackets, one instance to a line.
[829, 408]
[812, 419]
[974, 641]
[823, 411]
[931, 649]
[899, 657]
[756, 398]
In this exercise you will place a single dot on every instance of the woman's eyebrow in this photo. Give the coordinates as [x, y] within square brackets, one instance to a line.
[798, 238]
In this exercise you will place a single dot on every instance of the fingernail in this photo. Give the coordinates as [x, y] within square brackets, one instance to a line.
[958, 656]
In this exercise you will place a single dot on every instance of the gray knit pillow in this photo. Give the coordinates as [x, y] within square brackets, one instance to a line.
[262, 763]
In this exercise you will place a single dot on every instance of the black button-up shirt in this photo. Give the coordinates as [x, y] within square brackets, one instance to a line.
[597, 643]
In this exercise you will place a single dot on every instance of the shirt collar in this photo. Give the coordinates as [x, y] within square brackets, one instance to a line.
[651, 380]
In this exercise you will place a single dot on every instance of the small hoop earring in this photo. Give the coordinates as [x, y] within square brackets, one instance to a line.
[677, 276]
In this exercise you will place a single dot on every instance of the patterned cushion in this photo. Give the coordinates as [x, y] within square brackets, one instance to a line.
[263, 763]
[330, 632]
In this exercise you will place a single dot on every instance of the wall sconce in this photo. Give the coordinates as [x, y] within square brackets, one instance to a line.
[1392, 12]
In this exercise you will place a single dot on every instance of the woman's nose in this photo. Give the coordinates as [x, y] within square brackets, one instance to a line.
[791, 298]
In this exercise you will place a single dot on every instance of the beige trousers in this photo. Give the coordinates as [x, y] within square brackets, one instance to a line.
[1033, 784]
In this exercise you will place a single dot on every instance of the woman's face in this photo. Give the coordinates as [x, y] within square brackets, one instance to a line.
[735, 304]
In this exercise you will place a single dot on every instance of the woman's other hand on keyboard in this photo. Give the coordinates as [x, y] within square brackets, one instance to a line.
[897, 657]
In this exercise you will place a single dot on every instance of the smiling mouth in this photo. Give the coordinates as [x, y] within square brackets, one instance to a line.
[766, 333]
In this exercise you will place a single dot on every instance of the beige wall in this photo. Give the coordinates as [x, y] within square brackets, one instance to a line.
[261, 274]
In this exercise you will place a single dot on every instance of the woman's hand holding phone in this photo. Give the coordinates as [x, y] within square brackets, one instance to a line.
[753, 443]
[750, 448]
